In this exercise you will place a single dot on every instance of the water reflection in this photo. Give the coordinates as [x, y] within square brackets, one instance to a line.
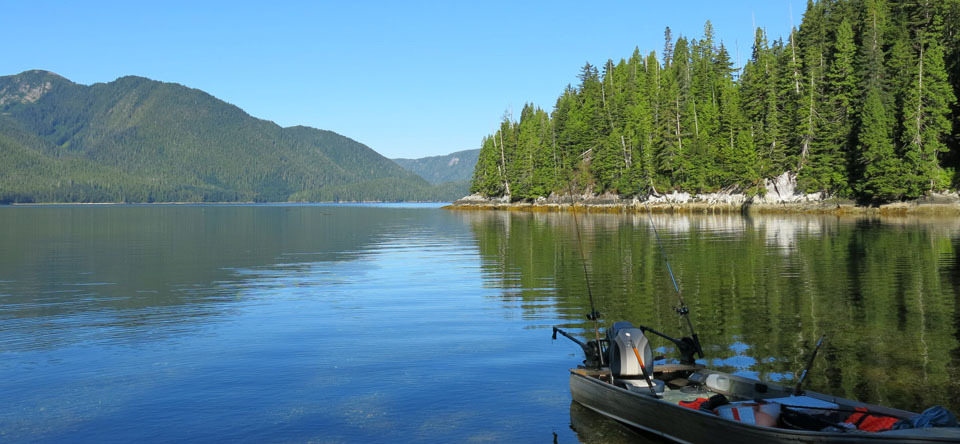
[761, 290]
[120, 273]
[592, 427]
[359, 324]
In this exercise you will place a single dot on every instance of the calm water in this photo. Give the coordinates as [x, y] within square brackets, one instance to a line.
[415, 324]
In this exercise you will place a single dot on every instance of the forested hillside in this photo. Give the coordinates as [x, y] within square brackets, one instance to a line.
[451, 173]
[454, 167]
[859, 101]
[139, 140]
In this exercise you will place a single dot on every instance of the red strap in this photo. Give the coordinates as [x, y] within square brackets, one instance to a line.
[856, 417]
[736, 414]
[695, 404]
[877, 423]
[870, 423]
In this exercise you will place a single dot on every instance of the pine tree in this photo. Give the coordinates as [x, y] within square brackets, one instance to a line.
[738, 154]
[522, 165]
[759, 99]
[951, 39]
[546, 161]
[880, 170]
[487, 175]
[669, 125]
[860, 100]
[789, 105]
[505, 142]
[667, 48]
[684, 173]
[701, 113]
[645, 115]
[709, 72]
[926, 109]
[636, 126]
[827, 169]
[565, 131]
[610, 164]
[811, 42]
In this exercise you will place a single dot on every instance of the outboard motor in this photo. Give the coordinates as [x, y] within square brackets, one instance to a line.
[623, 360]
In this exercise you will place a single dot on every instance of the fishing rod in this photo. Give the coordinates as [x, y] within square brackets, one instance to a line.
[643, 368]
[592, 349]
[798, 390]
[593, 315]
[682, 310]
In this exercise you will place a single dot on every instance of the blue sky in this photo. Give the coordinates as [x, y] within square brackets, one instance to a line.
[408, 79]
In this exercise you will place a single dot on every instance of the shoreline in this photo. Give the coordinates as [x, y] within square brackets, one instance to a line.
[936, 205]
[63, 204]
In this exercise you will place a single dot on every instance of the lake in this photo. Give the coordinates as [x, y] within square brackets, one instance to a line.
[410, 323]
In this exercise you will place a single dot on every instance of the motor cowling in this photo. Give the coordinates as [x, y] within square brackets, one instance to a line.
[622, 337]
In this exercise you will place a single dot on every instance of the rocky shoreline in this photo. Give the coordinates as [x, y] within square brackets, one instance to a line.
[780, 197]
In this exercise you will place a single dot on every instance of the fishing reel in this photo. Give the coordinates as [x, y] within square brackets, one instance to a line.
[591, 349]
[686, 346]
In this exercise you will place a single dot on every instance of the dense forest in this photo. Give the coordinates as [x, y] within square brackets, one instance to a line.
[858, 102]
[140, 140]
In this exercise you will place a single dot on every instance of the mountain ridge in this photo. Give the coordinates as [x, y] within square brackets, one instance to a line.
[140, 140]
[454, 167]
[452, 172]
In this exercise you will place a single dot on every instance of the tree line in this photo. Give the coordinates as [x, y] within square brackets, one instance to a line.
[859, 102]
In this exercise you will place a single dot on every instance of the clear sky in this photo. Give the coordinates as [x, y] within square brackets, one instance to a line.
[408, 79]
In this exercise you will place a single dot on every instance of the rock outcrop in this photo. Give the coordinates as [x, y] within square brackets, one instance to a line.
[781, 196]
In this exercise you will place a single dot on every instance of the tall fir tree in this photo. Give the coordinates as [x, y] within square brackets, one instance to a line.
[487, 174]
[828, 167]
[811, 44]
[860, 101]
[878, 167]
[760, 104]
[926, 107]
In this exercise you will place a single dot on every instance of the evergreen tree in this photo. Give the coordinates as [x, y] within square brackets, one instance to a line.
[644, 115]
[880, 170]
[546, 161]
[811, 43]
[926, 109]
[505, 142]
[565, 131]
[609, 165]
[760, 105]
[738, 154]
[487, 175]
[827, 169]
[522, 166]
[860, 100]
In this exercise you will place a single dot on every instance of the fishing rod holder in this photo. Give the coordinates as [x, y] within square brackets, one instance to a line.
[686, 346]
[591, 349]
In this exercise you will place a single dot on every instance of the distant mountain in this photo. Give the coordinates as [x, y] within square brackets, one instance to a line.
[140, 140]
[455, 167]
[452, 173]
